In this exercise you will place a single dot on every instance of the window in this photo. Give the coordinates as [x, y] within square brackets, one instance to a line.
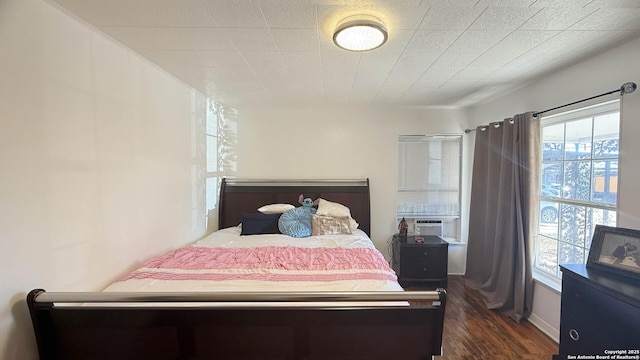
[212, 156]
[221, 134]
[198, 158]
[429, 182]
[579, 183]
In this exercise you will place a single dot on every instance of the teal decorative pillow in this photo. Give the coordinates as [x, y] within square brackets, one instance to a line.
[295, 222]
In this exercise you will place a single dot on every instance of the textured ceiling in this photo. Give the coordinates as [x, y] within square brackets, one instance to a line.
[439, 52]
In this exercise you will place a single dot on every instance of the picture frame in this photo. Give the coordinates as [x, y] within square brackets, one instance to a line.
[615, 250]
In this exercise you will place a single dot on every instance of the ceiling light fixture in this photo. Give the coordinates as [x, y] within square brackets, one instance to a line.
[360, 33]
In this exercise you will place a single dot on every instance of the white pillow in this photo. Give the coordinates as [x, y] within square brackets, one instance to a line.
[330, 208]
[275, 208]
[333, 209]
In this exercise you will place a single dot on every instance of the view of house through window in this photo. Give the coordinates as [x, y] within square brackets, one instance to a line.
[579, 183]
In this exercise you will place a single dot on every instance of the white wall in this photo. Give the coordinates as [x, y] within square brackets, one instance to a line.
[347, 142]
[599, 74]
[95, 162]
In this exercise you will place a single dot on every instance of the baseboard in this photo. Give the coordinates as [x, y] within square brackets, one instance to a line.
[545, 327]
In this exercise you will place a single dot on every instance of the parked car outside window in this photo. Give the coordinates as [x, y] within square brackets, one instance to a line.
[549, 209]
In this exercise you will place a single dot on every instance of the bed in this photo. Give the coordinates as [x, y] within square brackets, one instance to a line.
[242, 293]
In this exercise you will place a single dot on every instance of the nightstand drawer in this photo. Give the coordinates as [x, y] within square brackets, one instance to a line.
[423, 270]
[423, 254]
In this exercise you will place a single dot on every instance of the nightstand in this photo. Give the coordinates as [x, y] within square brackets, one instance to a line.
[424, 263]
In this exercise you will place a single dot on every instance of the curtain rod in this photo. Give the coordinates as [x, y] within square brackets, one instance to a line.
[626, 88]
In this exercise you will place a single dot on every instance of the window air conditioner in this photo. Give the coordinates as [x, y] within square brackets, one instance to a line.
[428, 227]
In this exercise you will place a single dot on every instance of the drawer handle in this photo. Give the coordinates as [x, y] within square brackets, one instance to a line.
[574, 335]
[425, 253]
[424, 269]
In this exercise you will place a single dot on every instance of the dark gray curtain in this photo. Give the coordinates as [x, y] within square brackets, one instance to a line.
[503, 214]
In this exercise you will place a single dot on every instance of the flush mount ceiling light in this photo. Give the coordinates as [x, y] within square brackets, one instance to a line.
[360, 33]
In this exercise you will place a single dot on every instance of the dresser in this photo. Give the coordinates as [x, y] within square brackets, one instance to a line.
[600, 312]
[423, 263]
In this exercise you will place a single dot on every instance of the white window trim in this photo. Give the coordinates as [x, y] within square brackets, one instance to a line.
[547, 280]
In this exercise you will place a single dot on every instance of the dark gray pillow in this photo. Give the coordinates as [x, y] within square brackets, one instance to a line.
[259, 223]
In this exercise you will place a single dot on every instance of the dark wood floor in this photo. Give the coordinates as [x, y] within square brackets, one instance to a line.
[471, 331]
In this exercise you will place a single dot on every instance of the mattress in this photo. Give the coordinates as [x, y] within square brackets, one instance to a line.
[227, 261]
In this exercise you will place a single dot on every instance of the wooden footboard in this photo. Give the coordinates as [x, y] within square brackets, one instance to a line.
[205, 326]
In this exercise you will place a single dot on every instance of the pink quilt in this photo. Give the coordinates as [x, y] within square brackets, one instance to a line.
[310, 264]
[226, 261]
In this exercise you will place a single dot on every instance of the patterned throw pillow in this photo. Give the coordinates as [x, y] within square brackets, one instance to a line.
[327, 225]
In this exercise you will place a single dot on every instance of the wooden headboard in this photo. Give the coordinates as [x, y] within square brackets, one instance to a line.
[238, 196]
